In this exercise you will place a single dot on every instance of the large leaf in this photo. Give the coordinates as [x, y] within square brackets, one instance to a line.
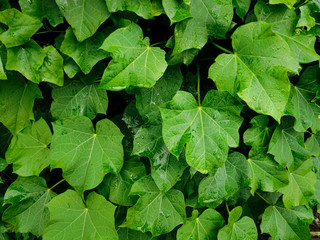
[42, 9]
[28, 198]
[257, 71]
[78, 99]
[134, 62]
[28, 150]
[84, 16]
[142, 9]
[225, 181]
[285, 224]
[26, 59]
[70, 218]
[155, 212]
[176, 10]
[85, 154]
[207, 130]
[129, 234]
[16, 102]
[203, 227]
[21, 27]
[301, 185]
[86, 53]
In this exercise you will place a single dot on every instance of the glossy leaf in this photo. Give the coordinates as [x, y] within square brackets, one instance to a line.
[28, 150]
[207, 130]
[289, 3]
[134, 62]
[85, 154]
[70, 218]
[142, 9]
[176, 10]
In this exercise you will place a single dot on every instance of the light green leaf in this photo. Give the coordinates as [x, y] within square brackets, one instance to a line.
[289, 3]
[28, 197]
[257, 71]
[129, 234]
[42, 9]
[260, 133]
[211, 18]
[28, 150]
[313, 144]
[207, 130]
[85, 154]
[70, 218]
[176, 10]
[134, 62]
[52, 69]
[84, 16]
[155, 212]
[16, 102]
[287, 145]
[21, 27]
[283, 224]
[143, 8]
[204, 227]
[301, 185]
[86, 53]
[225, 181]
[242, 7]
[78, 99]
[308, 13]
[266, 174]
[26, 59]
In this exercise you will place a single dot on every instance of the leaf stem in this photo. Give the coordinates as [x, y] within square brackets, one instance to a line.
[62, 180]
[157, 43]
[263, 198]
[221, 48]
[227, 208]
[198, 85]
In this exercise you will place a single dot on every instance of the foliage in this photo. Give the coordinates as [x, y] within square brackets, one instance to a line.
[159, 119]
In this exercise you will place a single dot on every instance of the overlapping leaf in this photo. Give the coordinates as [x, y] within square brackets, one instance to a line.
[142, 8]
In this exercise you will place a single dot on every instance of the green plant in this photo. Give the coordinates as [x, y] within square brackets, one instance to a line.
[172, 119]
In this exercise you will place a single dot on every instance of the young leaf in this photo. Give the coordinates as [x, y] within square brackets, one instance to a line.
[28, 150]
[86, 53]
[225, 181]
[84, 16]
[78, 99]
[257, 71]
[134, 62]
[16, 102]
[21, 27]
[282, 223]
[207, 130]
[70, 218]
[26, 59]
[86, 155]
[28, 198]
[204, 227]
[142, 9]
[289, 3]
[155, 212]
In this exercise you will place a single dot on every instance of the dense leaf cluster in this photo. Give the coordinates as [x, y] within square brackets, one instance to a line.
[162, 119]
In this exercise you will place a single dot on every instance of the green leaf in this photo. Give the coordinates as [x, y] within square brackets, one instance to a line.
[85, 154]
[142, 9]
[282, 223]
[128, 234]
[28, 197]
[313, 144]
[258, 75]
[245, 228]
[266, 174]
[259, 134]
[176, 10]
[211, 18]
[70, 218]
[225, 181]
[287, 145]
[27, 59]
[155, 212]
[21, 27]
[134, 62]
[84, 16]
[3, 58]
[4, 4]
[78, 99]
[28, 150]
[242, 7]
[42, 9]
[207, 130]
[308, 15]
[289, 3]
[86, 53]
[52, 69]
[204, 227]
[301, 185]
[70, 67]
[16, 102]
